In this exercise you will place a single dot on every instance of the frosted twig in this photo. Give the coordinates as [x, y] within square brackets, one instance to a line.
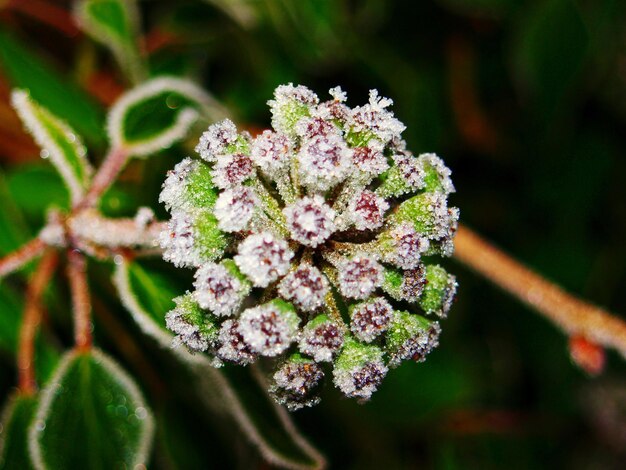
[90, 226]
[574, 316]
[15, 260]
[105, 176]
[31, 320]
[81, 302]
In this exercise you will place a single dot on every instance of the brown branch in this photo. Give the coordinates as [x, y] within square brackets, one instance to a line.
[15, 260]
[104, 178]
[81, 302]
[30, 322]
[574, 316]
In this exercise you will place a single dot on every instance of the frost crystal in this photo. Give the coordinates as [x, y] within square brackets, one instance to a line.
[306, 287]
[271, 151]
[367, 210]
[219, 289]
[359, 277]
[216, 140]
[310, 220]
[233, 348]
[295, 381]
[370, 319]
[269, 329]
[232, 170]
[312, 242]
[321, 339]
[324, 162]
[234, 208]
[263, 258]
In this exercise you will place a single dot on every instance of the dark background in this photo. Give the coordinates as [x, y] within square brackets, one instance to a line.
[524, 100]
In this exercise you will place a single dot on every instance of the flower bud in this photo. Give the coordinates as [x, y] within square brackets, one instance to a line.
[410, 336]
[232, 346]
[306, 287]
[439, 291]
[263, 258]
[192, 326]
[321, 338]
[371, 318]
[188, 186]
[220, 288]
[359, 369]
[192, 238]
[295, 382]
[290, 104]
[405, 285]
[270, 328]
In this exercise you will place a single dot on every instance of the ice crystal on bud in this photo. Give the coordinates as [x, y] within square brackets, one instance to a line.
[271, 151]
[219, 288]
[370, 319]
[193, 327]
[232, 170]
[324, 161]
[295, 381]
[367, 210]
[306, 287]
[232, 347]
[330, 215]
[263, 258]
[234, 208]
[359, 277]
[216, 140]
[310, 220]
[359, 370]
[321, 338]
[270, 328]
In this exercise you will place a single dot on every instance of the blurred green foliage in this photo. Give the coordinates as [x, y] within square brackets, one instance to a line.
[525, 100]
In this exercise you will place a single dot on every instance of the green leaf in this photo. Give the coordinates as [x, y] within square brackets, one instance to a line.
[157, 114]
[91, 415]
[115, 24]
[58, 142]
[147, 296]
[25, 70]
[16, 418]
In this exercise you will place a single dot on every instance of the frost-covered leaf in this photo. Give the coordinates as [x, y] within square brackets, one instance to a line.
[91, 415]
[115, 24]
[58, 142]
[147, 295]
[14, 422]
[158, 113]
[28, 71]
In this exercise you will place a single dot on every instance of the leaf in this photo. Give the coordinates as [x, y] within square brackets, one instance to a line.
[158, 113]
[115, 24]
[58, 142]
[46, 86]
[16, 418]
[147, 296]
[91, 415]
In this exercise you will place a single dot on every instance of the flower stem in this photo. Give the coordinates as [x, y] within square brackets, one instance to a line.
[31, 320]
[574, 316]
[81, 302]
[15, 260]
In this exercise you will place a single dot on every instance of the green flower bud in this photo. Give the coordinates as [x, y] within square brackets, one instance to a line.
[295, 382]
[439, 291]
[194, 327]
[359, 369]
[410, 336]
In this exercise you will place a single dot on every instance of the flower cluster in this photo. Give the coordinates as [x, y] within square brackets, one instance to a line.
[313, 243]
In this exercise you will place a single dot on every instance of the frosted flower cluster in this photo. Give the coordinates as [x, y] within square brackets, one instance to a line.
[314, 245]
